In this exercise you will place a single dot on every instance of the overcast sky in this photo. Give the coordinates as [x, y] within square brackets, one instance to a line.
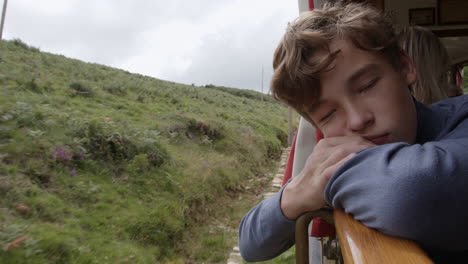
[221, 42]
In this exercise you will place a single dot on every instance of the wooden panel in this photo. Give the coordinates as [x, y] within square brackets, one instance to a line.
[379, 4]
[453, 11]
[441, 33]
[362, 245]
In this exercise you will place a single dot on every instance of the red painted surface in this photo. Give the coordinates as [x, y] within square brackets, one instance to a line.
[321, 228]
[318, 136]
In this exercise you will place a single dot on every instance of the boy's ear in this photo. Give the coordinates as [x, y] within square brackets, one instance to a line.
[407, 68]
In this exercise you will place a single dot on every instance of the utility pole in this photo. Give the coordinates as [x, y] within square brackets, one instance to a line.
[3, 18]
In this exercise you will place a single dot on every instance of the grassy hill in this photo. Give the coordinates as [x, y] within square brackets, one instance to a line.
[98, 165]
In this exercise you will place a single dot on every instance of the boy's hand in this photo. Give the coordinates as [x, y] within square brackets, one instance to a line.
[305, 192]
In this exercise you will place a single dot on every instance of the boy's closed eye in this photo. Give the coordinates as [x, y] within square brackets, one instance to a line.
[327, 116]
[367, 86]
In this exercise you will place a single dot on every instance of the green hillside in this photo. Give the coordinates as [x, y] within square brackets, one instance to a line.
[98, 165]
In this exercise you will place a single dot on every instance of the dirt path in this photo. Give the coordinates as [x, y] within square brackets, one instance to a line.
[275, 185]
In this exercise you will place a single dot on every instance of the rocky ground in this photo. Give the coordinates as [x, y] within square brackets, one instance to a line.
[275, 185]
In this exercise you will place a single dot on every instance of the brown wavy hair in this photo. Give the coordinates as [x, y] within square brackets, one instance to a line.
[303, 53]
[431, 61]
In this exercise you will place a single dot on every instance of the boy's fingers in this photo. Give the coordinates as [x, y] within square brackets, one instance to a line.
[340, 152]
[336, 141]
[328, 172]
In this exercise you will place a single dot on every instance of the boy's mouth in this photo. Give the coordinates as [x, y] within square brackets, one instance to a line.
[379, 139]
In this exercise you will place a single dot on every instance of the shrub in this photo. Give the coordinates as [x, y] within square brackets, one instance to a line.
[58, 248]
[203, 131]
[140, 98]
[108, 146]
[47, 206]
[116, 89]
[102, 143]
[204, 128]
[157, 156]
[29, 247]
[282, 136]
[39, 176]
[81, 89]
[70, 157]
[140, 163]
[162, 228]
[273, 150]
[26, 116]
[6, 133]
[19, 43]
[143, 162]
[225, 116]
[31, 85]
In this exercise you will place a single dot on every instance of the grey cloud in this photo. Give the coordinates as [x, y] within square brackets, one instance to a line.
[229, 60]
[135, 33]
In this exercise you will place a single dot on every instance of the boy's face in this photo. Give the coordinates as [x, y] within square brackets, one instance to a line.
[362, 94]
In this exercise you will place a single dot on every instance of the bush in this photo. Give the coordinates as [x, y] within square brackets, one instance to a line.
[273, 150]
[204, 132]
[157, 156]
[81, 89]
[116, 89]
[204, 128]
[282, 136]
[29, 247]
[162, 228]
[32, 86]
[6, 133]
[19, 43]
[25, 115]
[140, 163]
[107, 146]
[58, 248]
[102, 143]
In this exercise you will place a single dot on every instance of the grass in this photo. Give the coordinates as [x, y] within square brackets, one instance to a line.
[98, 165]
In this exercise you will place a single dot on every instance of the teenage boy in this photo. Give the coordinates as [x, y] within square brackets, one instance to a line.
[394, 164]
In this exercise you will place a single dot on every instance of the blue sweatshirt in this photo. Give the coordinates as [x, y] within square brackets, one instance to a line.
[417, 191]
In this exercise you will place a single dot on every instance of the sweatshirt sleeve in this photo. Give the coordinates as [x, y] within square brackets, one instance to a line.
[265, 232]
[417, 192]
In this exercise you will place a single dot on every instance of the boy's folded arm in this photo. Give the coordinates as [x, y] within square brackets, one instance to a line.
[265, 232]
[417, 192]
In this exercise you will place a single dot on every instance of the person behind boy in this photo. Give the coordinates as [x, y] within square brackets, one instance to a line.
[393, 163]
[432, 63]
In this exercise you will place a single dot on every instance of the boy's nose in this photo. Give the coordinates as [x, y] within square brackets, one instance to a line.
[359, 119]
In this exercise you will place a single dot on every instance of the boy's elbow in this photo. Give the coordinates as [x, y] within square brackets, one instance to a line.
[255, 249]
[247, 255]
[245, 245]
[252, 254]
[248, 250]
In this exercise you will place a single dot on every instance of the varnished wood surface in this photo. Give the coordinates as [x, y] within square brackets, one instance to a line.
[362, 245]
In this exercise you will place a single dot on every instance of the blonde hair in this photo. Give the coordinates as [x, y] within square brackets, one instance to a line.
[303, 52]
[431, 62]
